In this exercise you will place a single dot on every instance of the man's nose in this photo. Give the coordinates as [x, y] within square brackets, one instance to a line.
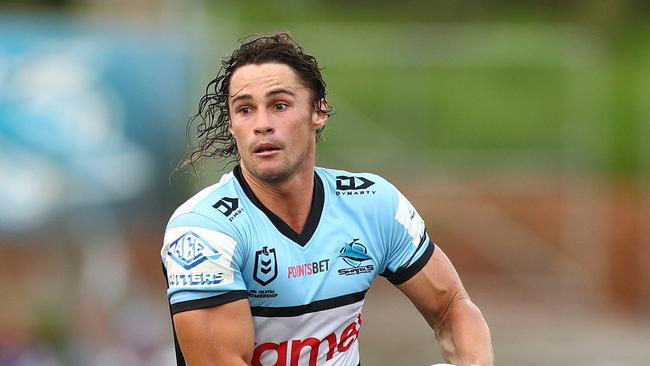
[263, 124]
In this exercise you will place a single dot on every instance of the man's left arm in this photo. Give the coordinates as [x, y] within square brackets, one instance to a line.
[437, 292]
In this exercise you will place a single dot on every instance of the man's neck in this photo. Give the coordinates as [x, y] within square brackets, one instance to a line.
[290, 199]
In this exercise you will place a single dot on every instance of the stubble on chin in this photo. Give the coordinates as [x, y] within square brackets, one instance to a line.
[278, 173]
[271, 176]
[268, 173]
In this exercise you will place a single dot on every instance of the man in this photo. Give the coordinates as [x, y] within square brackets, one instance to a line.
[270, 266]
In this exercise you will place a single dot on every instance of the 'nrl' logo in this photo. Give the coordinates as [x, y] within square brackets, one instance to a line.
[266, 266]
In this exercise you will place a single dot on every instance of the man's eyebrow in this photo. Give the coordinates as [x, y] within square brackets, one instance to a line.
[247, 97]
[280, 91]
[241, 97]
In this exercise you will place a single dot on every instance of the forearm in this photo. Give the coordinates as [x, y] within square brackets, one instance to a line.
[464, 336]
[439, 295]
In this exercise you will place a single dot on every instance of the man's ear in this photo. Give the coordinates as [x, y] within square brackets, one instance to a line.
[320, 115]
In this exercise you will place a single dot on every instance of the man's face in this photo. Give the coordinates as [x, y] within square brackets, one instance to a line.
[273, 120]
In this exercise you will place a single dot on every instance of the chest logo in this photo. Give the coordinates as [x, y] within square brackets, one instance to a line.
[355, 254]
[266, 266]
[346, 183]
[354, 186]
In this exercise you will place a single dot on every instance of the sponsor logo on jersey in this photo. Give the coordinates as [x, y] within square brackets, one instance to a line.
[229, 207]
[190, 250]
[266, 266]
[197, 257]
[409, 218]
[296, 351]
[194, 279]
[308, 269]
[355, 254]
[353, 186]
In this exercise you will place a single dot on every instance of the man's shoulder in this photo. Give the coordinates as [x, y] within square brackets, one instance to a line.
[210, 203]
[201, 224]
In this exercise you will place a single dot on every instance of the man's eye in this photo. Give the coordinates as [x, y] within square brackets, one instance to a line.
[244, 110]
[280, 106]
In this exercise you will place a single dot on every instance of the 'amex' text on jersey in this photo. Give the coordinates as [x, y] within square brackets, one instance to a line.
[293, 351]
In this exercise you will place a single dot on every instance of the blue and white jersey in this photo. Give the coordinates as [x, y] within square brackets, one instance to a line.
[305, 290]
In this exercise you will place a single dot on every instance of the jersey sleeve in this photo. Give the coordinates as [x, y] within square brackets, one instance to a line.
[201, 263]
[409, 246]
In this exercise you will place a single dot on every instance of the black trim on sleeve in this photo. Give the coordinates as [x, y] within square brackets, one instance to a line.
[318, 199]
[424, 239]
[403, 275]
[209, 301]
[320, 305]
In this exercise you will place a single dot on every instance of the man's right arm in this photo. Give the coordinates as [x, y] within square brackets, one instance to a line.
[218, 335]
[208, 297]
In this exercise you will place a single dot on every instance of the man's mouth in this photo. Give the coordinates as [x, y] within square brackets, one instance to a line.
[265, 148]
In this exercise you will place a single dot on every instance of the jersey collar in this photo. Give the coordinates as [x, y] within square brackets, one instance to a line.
[314, 213]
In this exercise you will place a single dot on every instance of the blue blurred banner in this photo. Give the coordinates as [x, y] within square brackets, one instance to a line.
[90, 115]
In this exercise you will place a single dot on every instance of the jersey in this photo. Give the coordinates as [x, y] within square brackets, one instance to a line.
[306, 290]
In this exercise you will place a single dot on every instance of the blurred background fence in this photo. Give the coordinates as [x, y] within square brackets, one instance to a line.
[519, 129]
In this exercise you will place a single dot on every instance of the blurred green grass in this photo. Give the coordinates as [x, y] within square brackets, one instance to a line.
[434, 108]
[551, 90]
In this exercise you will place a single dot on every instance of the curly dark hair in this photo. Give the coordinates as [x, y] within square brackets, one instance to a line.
[214, 138]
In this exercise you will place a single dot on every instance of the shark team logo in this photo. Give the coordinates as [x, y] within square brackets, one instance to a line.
[355, 254]
[190, 250]
[266, 266]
